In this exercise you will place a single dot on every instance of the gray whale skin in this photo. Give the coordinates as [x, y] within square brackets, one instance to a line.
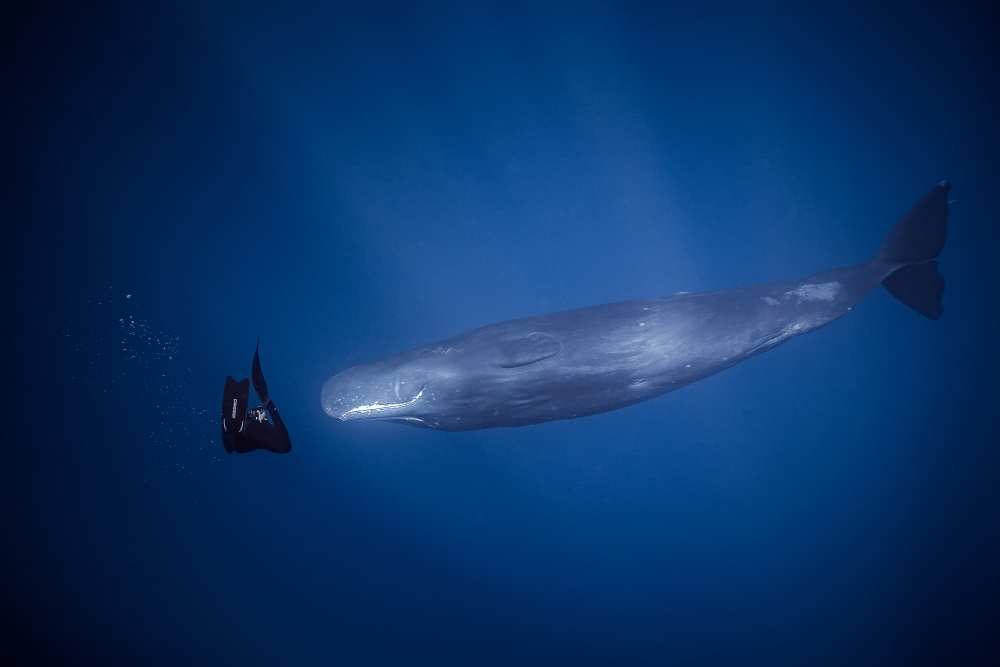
[590, 360]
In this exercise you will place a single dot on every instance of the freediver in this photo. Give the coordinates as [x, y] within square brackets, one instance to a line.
[246, 430]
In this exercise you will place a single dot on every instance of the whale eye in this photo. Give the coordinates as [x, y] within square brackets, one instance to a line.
[405, 389]
[527, 350]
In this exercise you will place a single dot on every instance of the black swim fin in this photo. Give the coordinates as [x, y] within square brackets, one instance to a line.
[259, 384]
[910, 250]
[235, 396]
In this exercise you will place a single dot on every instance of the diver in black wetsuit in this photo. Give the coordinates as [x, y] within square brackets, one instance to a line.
[246, 430]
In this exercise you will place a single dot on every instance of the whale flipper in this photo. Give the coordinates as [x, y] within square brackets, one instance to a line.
[527, 350]
[910, 249]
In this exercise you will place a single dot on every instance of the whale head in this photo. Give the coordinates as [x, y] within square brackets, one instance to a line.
[489, 376]
[404, 389]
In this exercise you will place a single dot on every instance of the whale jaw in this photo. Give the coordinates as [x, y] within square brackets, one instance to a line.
[379, 410]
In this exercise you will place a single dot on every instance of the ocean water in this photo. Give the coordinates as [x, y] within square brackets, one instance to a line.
[347, 182]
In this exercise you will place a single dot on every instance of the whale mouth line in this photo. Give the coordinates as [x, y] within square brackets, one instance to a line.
[402, 420]
[376, 410]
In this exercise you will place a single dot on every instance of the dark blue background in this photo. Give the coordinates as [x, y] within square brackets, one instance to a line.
[346, 183]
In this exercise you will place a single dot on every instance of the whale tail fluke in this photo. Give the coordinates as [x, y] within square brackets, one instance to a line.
[910, 251]
[920, 287]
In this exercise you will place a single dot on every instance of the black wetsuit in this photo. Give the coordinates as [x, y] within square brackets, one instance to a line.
[242, 432]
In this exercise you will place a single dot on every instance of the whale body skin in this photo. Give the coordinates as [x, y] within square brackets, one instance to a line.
[590, 360]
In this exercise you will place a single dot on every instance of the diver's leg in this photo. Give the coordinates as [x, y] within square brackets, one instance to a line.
[272, 437]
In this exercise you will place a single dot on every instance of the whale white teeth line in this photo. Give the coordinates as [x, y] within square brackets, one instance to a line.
[377, 408]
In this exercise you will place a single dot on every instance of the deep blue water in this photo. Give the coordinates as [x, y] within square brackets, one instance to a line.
[346, 183]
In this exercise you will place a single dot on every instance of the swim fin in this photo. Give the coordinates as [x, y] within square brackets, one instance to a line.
[259, 384]
[235, 396]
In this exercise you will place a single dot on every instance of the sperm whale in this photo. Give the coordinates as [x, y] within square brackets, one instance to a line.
[581, 362]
